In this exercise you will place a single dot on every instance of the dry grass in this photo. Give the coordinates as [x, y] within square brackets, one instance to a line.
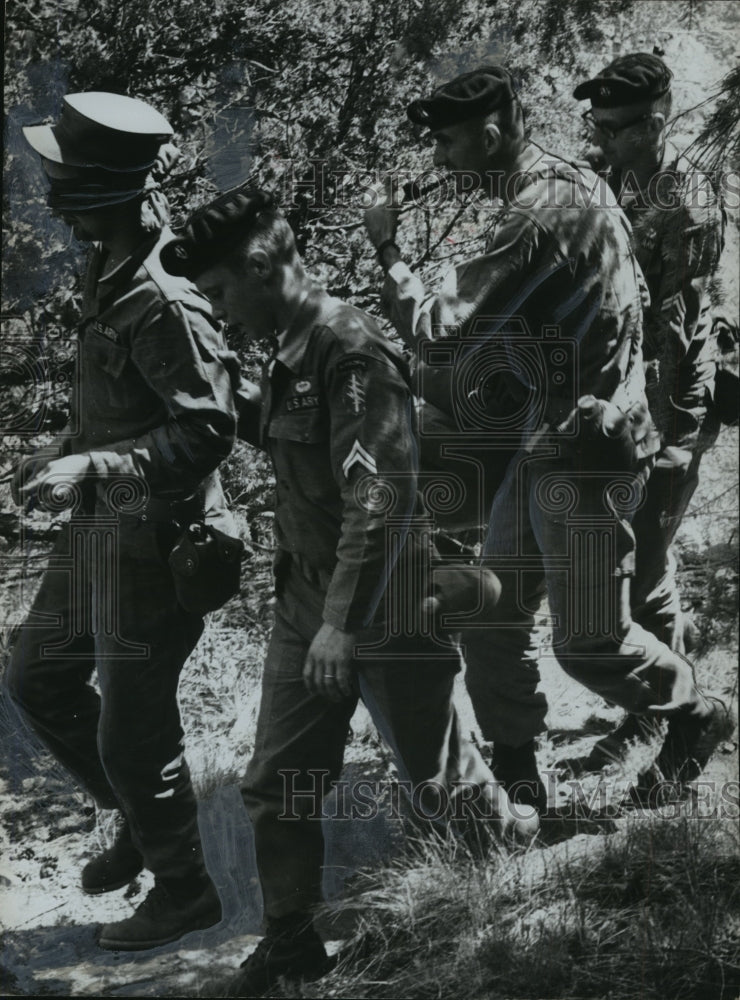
[650, 912]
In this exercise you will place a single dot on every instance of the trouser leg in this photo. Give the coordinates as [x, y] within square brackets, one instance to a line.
[406, 670]
[50, 668]
[582, 529]
[656, 603]
[299, 748]
[140, 735]
[411, 702]
[501, 659]
[300, 740]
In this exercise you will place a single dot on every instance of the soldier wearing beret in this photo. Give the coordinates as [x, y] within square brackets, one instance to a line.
[677, 225]
[540, 335]
[335, 414]
[151, 417]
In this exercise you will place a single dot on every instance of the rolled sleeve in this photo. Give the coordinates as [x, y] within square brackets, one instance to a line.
[407, 303]
[491, 284]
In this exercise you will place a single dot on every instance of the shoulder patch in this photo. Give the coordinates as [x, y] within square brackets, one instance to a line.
[352, 362]
[353, 392]
[303, 395]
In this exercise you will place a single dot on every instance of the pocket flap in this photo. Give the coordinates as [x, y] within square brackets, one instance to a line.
[309, 427]
[110, 357]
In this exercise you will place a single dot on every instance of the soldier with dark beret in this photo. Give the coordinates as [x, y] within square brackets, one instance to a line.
[677, 234]
[627, 81]
[537, 341]
[152, 415]
[335, 414]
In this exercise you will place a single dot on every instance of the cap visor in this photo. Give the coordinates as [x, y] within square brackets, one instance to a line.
[41, 138]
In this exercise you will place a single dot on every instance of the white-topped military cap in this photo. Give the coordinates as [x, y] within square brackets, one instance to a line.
[98, 129]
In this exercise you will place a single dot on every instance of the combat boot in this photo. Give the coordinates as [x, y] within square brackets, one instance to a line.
[291, 949]
[613, 747]
[113, 868]
[166, 915]
[690, 742]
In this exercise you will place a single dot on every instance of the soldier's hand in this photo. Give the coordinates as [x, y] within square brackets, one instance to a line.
[381, 217]
[60, 474]
[328, 668]
[682, 690]
[24, 470]
[29, 467]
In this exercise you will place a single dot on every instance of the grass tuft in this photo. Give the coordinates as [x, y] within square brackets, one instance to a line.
[652, 911]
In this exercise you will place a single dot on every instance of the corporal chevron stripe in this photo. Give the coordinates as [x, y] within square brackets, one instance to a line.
[358, 456]
[674, 300]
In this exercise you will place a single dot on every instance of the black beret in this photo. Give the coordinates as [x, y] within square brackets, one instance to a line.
[640, 76]
[96, 129]
[471, 95]
[214, 230]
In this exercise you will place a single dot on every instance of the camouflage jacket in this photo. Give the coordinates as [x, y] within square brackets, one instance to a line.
[153, 398]
[678, 226]
[555, 297]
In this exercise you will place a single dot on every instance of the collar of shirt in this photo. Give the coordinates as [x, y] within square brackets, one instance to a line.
[293, 341]
[632, 197]
[107, 287]
[535, 164]
[108, 284]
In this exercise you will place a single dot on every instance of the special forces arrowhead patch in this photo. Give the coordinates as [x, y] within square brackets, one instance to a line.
[353, 393]
[359, 456]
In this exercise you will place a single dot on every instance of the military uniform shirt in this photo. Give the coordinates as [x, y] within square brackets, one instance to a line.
[337, 419]
[557, 264]
[677, 226]
[154, 395]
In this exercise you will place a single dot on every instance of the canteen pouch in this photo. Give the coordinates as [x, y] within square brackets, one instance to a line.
[206, 566]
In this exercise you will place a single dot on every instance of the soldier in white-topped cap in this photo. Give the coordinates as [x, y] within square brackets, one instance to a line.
[152, 415]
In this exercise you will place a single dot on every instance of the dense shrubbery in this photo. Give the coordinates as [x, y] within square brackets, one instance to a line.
[270, 91]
